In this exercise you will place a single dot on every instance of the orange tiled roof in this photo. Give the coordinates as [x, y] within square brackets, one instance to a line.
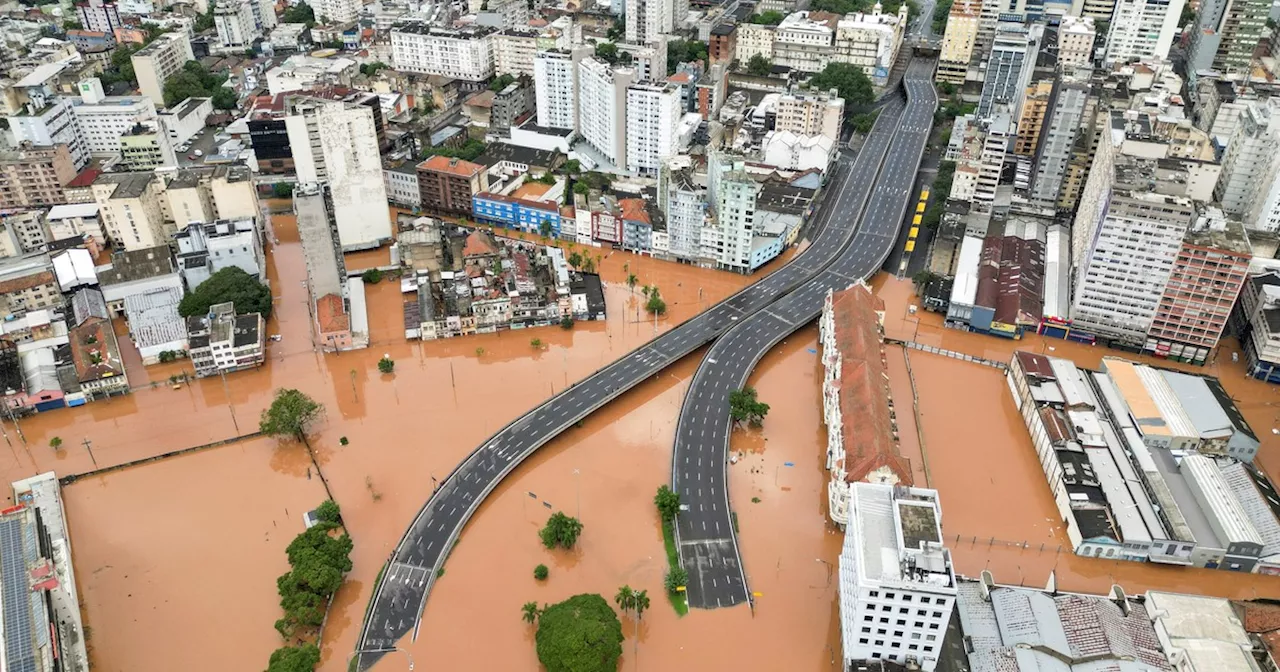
[331, 315]
[633, 209]
[869, 441]
[26, 282]
[444, 164]
[1259, 617]
[478, 244]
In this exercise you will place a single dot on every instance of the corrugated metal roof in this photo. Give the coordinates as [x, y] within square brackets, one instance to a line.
[1254, 505]
[1178, 422]
[1219, 500]
[1142, 409]
[1200, 405]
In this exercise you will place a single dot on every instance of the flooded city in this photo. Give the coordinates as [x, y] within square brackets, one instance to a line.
[172, 551]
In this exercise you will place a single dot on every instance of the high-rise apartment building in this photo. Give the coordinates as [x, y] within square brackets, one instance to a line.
[1142, 29]
[1035, 105]
[34, 177]
[158, 61]
[446, 185]
[602, 108]
[897, 583]
[1057, 140]
[652, 110]
[235, 24]
[647, 19]
[684, 203]
[514, 50]
[1075, 42]
[999, 131]
[461, 53]
[100, 16]
[810, 114]
[1248, 166]
[754, 39]
[958, 41]
[1009, 68]
[337, 11]
[555, 82]
[50, 122]
[1205, 281]
[728, 244]
[1129, 228]
[870, 41]
[805, 41]
[132, 210]
[336, 143]
[1225, 34]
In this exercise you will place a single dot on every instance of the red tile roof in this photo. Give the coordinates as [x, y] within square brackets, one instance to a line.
[1260, 617]
[633, 209]
[865, 402]
[444, 164]
[331, 314]
[478, 244]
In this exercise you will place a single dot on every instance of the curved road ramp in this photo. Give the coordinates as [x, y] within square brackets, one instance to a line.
[399, 598]
[705, 537]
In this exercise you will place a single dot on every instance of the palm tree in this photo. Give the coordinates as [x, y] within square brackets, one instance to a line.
[529, 612]
[626, 599]
[640, 602]
[631, 282]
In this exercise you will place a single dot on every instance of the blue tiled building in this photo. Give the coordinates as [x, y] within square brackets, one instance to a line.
[515, 213]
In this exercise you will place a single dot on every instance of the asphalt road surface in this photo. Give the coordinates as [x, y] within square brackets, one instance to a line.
[706, 539]
[400, 597]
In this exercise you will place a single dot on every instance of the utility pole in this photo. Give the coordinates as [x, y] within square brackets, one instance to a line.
[577, 480]
[230, 406]
[88, 446]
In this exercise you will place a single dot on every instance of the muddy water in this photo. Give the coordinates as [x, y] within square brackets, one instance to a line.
[173, 567]
[621, 455]
[443, 399]
[997, 510]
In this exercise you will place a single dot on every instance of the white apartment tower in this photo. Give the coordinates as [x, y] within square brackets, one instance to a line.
[647, 19]
[555, 83]
[685, 205]
[331, 12]
[237, 28]
[653, 110]
[336, 143]
[99, 15]
[1142, 29]
[602, 108]
[728, 243]
[1249, 164]
[462, 53]
[958, 41]
[897, 584]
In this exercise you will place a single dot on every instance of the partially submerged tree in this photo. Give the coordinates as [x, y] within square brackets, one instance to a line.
[581, 634]
[745, 407]
[668, 503]
[290, 415]
[560, 530]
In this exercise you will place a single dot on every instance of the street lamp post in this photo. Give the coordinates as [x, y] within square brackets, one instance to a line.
[577, 482]
[829, 568]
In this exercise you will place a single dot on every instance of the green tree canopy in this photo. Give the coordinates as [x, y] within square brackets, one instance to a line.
[744, 406]
[329, 512]
[607, 51]
[469, 151]
[759, 65]
[228, 284]
[501, 82]
[581, 634]
[850, 81]
[668, 503]
[372, 69]
[302, 658]
[193, 81]
[299, 13]
[769, 18]
[289, 415]
[684, 51]
[560, 530]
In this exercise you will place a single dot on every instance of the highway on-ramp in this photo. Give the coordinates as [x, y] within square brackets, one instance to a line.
[399, 598]
[705, 536]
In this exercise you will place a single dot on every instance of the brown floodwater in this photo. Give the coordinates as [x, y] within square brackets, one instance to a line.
[177, 517]
[998, 513]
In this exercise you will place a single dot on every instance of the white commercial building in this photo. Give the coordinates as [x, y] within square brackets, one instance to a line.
[222, 342]
[653, 111]
[75, 220]
[237, 28]
[160, 60]
[753, 39]
[104, 119]
[803, 43]
[1248, 166]
[301, 72]
[728, 244]
[897, 585]
[602, 108]
[464, 53]
[204, 248]
[154, 323]
[1143, 30]
[337, 143]
[183, 121]
[647, 19]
